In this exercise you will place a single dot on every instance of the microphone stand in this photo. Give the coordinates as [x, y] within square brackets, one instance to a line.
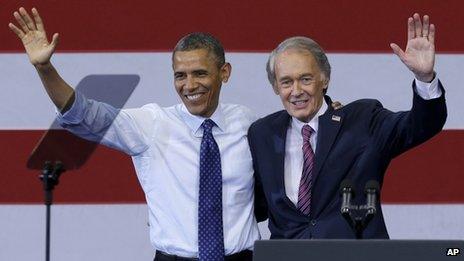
[50, 178]
[359, 216]
[356, 220]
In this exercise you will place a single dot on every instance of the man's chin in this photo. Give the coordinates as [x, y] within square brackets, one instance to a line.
[202, 109]
[196, 110]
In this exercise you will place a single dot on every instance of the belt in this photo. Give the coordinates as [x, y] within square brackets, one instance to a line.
[245, 255]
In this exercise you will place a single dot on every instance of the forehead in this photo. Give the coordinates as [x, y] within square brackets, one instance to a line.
[295, 62]
[195, 58]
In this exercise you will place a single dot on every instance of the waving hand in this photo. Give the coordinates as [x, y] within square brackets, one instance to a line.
[419, 55]
[34, 37]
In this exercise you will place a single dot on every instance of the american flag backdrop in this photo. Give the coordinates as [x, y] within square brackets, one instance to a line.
[100, 212]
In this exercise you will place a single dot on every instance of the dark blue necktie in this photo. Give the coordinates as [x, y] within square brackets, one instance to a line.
[210, 231]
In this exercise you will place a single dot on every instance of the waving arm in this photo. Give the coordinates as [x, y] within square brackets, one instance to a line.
[32, 34]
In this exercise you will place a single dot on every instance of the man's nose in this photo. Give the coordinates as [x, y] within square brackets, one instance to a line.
[190, 84]
[296, 88]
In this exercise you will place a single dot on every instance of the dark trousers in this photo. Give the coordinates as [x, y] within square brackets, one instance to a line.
[245, 255]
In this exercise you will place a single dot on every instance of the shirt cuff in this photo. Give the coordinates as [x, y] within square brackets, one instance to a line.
[428, 90]
[75, 114]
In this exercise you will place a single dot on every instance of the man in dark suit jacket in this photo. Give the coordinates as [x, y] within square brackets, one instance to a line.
[302, 154]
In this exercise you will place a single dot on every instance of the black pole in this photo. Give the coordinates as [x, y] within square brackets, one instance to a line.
[47, 235]
[359, 228]
[45, 177]
[50, 178]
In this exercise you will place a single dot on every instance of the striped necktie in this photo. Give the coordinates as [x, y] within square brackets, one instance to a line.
[306, 182]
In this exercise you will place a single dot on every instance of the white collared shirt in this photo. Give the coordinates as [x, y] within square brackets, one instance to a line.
[164, 144]
[294, 139]
[294, 153]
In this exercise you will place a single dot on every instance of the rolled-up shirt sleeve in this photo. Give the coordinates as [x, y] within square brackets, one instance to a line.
[75, 114]
[121, 129]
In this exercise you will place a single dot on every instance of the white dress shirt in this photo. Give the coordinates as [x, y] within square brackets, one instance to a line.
[164, 144]
[294, 140]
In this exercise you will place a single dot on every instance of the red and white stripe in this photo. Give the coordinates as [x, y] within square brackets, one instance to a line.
[100, 210]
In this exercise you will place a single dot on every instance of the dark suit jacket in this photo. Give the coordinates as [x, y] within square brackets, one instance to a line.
[360, 147]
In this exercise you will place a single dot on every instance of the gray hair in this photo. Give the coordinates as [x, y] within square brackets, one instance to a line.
[198, 40]
[299, 43]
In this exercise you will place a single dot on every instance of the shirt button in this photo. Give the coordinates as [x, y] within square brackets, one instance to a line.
[313, 222]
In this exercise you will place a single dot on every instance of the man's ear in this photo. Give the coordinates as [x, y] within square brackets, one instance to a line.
[226, 70]
[325, 82]
[275, 88]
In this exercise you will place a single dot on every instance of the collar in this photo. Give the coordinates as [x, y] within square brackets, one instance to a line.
[314, 122]
[194, 121]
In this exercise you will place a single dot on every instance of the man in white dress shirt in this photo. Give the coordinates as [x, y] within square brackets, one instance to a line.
[192, 159]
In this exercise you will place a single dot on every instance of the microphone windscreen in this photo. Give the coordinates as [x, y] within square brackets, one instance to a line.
[346, 183]
[372, 185]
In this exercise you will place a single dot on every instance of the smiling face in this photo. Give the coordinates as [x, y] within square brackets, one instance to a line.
[198, 80]
[299, 83]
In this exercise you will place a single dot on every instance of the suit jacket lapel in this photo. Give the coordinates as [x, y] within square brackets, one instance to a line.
[329, 126]
[277, 141]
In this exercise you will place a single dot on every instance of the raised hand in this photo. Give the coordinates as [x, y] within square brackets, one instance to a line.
[34, 37]
[419, 56]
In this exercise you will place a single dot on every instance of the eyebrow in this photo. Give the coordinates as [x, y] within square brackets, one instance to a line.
[306, 75]
[286, 77]
[200, 71]
[194, 71]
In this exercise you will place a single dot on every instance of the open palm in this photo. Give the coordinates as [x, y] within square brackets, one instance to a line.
[419, 56]
[34, 37]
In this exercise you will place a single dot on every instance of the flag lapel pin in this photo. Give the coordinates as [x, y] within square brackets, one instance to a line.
[336, 118]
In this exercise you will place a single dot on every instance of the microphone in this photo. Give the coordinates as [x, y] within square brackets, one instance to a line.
[346, 190]
[371, 189]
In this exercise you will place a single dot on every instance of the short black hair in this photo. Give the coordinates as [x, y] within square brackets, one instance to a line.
[199, 40]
